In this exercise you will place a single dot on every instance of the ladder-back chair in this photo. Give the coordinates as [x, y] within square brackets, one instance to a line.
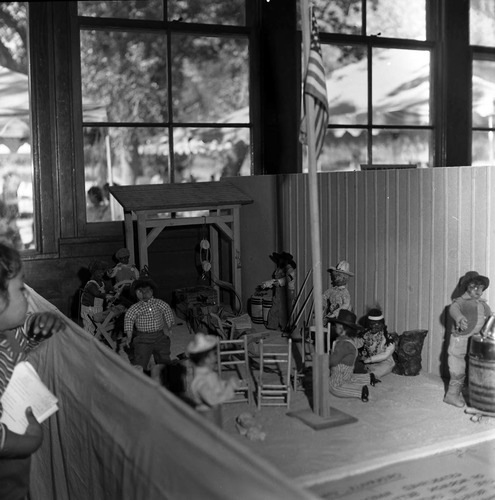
[232, 355]
[274, 380]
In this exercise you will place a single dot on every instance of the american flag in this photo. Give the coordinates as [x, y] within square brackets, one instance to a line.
[315, 86]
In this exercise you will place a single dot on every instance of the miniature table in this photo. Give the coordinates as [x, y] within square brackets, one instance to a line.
[157, 206]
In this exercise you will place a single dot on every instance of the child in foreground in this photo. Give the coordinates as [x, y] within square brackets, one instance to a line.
[19, 333]
[206, 389]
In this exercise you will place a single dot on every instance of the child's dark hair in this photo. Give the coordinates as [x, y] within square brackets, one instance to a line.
[10, 267]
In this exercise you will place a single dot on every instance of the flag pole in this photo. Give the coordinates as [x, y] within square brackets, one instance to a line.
[321, 398]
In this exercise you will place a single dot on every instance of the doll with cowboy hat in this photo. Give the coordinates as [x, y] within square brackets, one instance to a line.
[283, 285]
[344, 383]
[205, 389]
[469, 313]
[337, 297]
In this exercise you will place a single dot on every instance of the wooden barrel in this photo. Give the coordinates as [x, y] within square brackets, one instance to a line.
[481, 383]
[257, 309]
[267, 303]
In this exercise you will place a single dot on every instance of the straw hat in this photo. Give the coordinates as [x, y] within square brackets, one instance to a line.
[342, 267]
[347, 318]
[201, 343]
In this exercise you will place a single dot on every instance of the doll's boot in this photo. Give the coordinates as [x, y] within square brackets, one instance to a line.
[454, 395]
[373, 380]
[365, 394]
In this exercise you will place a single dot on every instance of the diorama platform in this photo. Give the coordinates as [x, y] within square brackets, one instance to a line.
[405, 420]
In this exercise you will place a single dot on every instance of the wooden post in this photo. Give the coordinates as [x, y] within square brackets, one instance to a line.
[321, 397]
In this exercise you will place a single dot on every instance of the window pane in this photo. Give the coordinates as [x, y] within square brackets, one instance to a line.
[343, 150]
[122, 156]
[483, 93]
[208, 154]
[210, 77]
[401, 87]
[208, 11]
[338, 17]
[125, 74]
[397, 18]
[346, 70]
[402, 147]
[123, 9]
[16, 170]
[482, 22]
[483, 148]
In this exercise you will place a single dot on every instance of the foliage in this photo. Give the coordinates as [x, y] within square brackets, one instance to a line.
[13, 36]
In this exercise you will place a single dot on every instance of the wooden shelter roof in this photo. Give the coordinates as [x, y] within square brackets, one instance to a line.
[169, 197]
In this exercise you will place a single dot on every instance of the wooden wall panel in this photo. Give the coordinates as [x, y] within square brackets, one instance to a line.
[408, 234]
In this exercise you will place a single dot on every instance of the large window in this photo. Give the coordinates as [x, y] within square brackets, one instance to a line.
[165, 94]
[482, 39]
[16, 169]
[377, 57]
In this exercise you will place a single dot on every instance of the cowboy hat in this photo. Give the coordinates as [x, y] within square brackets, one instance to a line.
[342, 267]
[201, 343]
[347, 318]
[283, 257]
[473, 276]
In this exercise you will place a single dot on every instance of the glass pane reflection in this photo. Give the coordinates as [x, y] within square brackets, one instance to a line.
[208, 154]
[402, 147]
[16, 168]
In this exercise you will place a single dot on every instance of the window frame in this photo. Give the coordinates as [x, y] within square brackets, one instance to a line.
[370, 42]
[168, 29]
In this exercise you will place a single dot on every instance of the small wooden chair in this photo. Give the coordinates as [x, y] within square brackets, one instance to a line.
[233, 355]
[278, 358]
[104, 329]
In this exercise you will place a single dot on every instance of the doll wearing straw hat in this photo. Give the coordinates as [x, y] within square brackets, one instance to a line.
[337, 297]
[206, 389]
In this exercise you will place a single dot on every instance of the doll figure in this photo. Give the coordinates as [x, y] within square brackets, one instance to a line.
[123, 271]
[344, 383]
[283, 285]
[337, 297]
[378, 345]
[469, 312]
[206, 390]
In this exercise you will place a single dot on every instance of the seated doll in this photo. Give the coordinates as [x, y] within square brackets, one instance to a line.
[343, 382]
[378, 345]
[205, 389]
[94, 295]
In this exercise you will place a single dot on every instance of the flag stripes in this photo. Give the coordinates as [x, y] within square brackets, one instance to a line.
[315, 86]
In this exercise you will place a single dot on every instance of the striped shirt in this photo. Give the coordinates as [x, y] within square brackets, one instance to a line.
[149, 316]
[14, 344]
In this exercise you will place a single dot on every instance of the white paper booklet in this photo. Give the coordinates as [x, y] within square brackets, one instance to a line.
[24, 389]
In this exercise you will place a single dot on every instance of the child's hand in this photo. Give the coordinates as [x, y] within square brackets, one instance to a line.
[23, 445]
[45, 324]
[462, 324]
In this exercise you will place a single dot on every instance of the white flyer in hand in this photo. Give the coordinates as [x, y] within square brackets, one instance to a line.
[25, 389]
